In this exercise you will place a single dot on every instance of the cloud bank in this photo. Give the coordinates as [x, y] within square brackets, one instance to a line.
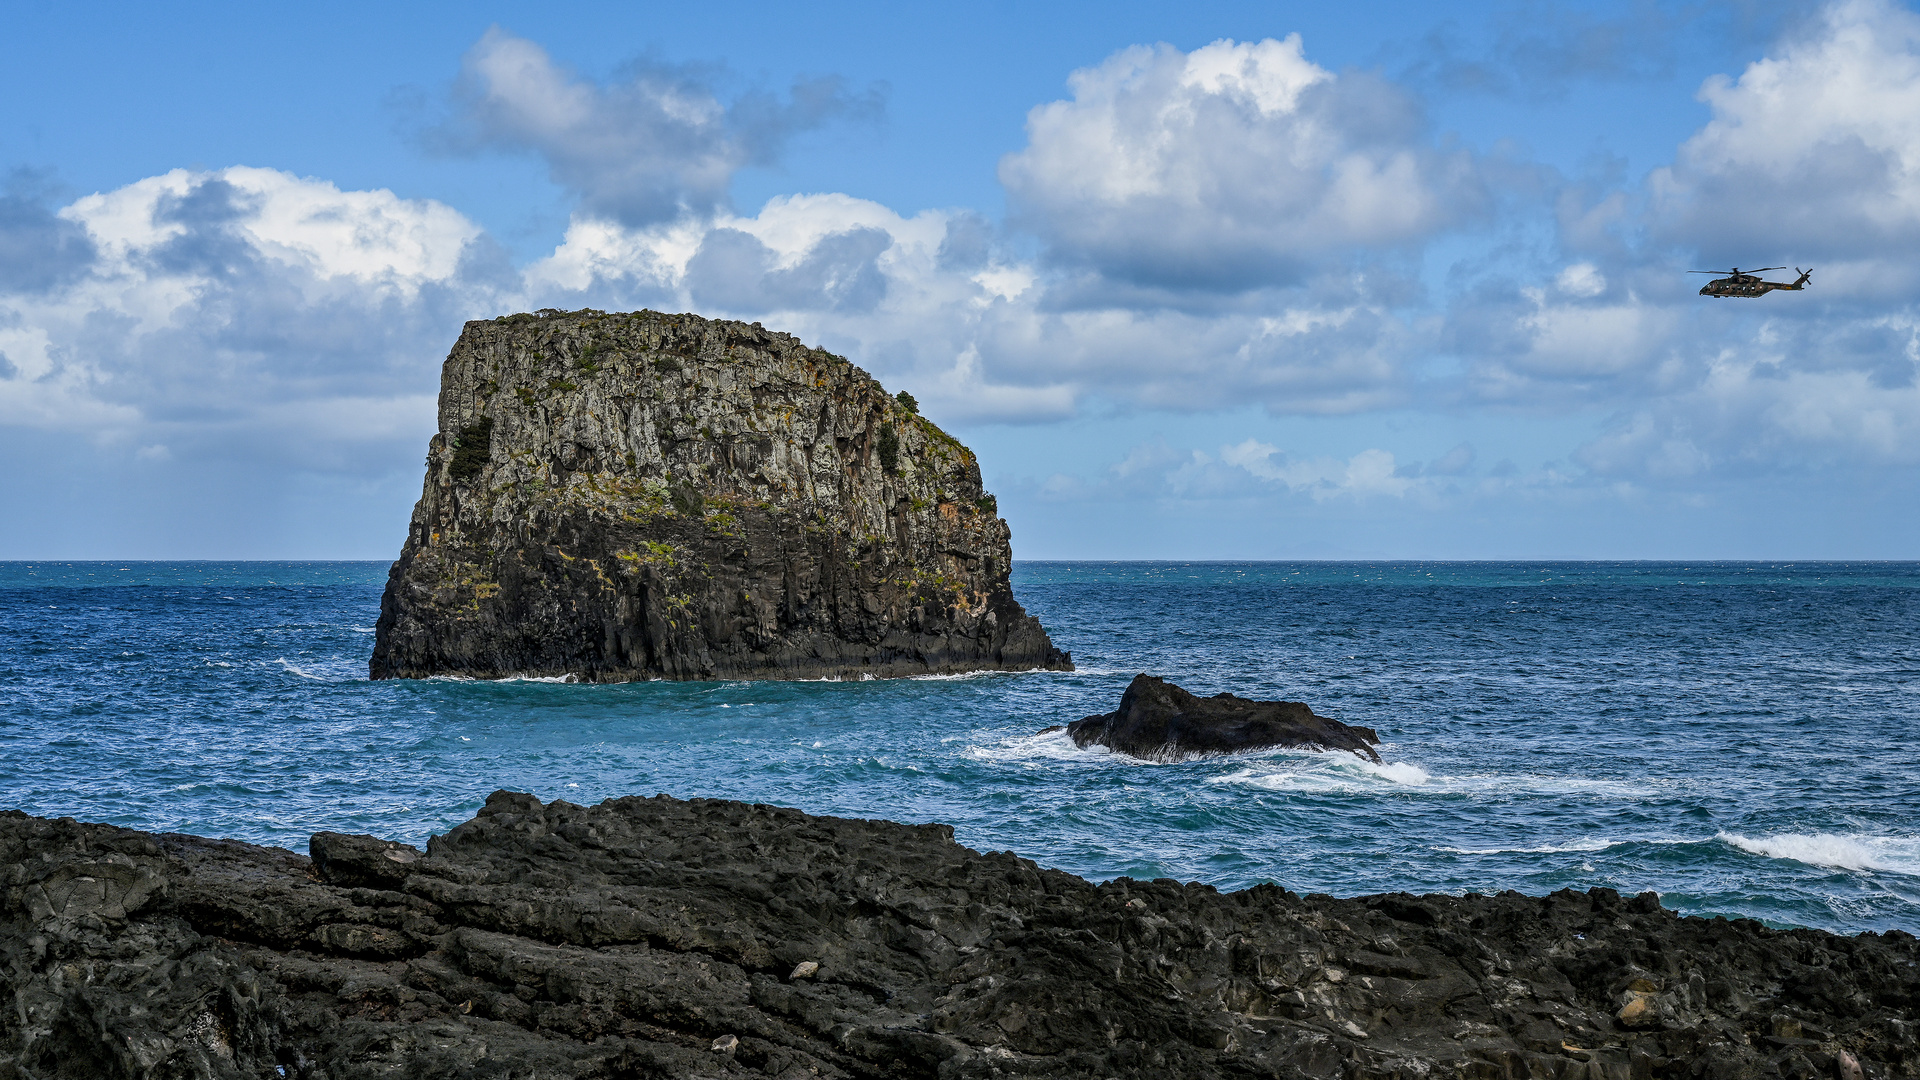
[1196, 232]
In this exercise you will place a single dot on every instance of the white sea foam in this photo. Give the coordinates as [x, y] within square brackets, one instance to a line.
[295, 669]
[1047, 746]
[1327, 773]
[1335, 773]
[1584, 845]
[1399, 772]
[1844, 851]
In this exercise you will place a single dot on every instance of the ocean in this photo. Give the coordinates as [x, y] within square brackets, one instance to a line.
[1739, 737]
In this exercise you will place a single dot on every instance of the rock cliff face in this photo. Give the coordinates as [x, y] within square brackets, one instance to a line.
[636, 496]
[648, 938]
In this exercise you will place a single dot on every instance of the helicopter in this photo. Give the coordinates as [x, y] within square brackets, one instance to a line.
[1748, 283]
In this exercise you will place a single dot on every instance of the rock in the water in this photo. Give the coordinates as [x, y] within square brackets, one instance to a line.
[1159, 721]
[654, 938]
[637, 496]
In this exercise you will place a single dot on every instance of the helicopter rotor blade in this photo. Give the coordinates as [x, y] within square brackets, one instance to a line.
[1764, 269]
[1713, 271]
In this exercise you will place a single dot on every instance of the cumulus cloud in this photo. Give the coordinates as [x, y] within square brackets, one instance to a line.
[38, 248]
[931, 303]
[1370, 472]
[239, 311]
[1813, 154]
[1236, 165]
[651, 146]
[1220, 228]
[1255, 472]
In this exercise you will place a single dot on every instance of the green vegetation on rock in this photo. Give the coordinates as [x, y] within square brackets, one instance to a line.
[471, 449]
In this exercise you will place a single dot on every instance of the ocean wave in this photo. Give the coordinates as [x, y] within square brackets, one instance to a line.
[294, 669]
[1586, 845]
[978, 673]
[1047, 746]
[1843, 851]
[1334, 773]
[567, 678]
[1327, 773]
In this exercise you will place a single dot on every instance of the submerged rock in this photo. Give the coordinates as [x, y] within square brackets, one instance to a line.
[637, 496]
[661, 938]
[1159, 721]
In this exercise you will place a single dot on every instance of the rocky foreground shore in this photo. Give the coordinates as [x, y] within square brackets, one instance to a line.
[662, 938]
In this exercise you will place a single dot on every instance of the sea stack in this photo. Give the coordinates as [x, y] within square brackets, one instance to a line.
[636, 496]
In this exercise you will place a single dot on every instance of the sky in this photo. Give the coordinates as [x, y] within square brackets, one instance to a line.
[1216, 280]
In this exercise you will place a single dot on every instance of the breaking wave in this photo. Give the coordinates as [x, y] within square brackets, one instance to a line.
[1844, 851]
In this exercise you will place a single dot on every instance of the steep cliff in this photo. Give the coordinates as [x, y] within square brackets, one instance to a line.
[633, 496]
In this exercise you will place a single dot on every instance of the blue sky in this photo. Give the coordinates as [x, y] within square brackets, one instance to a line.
[1228, 281]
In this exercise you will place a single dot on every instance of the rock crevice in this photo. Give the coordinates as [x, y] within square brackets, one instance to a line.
[638, 496]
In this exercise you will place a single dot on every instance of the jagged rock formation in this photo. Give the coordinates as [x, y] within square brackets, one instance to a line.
[1158, 721]
[660, 938]
[636, 496]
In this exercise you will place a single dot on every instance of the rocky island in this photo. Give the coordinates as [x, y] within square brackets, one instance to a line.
[1158, 721]
[636, 496]
[656, 938]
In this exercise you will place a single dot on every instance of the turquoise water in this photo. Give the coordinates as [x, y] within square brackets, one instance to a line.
[1738, 737]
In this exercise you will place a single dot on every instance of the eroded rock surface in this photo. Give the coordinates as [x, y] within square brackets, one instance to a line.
[661, 938]
[635, 496]
[1159, 721]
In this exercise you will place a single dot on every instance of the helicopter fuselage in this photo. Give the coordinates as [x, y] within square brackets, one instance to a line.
[1750, 285]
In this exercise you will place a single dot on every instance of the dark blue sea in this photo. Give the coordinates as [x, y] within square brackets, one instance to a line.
[1739, 737]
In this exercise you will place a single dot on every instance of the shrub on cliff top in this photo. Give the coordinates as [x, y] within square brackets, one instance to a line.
[906, 402]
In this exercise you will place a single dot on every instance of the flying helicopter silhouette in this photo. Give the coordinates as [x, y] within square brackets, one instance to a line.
[1747, 282]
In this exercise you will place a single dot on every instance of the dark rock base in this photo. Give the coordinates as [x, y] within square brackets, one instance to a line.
[660, 938]
[1158, 721]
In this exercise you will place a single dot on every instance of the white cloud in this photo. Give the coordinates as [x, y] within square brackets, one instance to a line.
[1236, 165]
[251, 311]
[1813, 154]
[652, 148]
[244, 312]
[1583, 280]
[1761, 416]
[981, 338]
[1370, 472]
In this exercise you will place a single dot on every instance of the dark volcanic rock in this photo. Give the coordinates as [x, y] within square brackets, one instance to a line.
[660, 938]
[1161, 722]
[642, 496]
